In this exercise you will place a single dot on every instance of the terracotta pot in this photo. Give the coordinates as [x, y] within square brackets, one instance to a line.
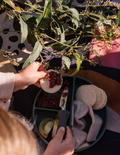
[109, 52]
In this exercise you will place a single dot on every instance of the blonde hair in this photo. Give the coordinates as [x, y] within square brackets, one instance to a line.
[15, 138]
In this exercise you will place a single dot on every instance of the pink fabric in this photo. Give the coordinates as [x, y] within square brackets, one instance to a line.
[109, 57]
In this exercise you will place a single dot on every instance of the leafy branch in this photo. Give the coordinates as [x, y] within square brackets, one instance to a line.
[61, 26]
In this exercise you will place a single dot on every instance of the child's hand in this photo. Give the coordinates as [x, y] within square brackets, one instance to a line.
[58, 146]
[29, 75]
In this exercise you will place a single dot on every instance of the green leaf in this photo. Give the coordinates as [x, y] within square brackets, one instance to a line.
[62, 33]
[31, 38]
[39, 19]
[118, 18]
[110, 34]
[75, 22]
[98, 16]
[73, 19]
[49, 44]
[83, 26]
[102, 18]
[44, 19]
[100, 25]
[34, 55]
[109, 28]
[60, 47]
[29, 20]
[24, 30]
[108, 22]
[26, 17]
[65, 2]
[99, 37]
[37, 1]
[79, 59]
[75, 13]
[28, 2]
[110, 40]
[66, 62]
[87, 28]
[58, 2]
[72, 13]
[98, 56]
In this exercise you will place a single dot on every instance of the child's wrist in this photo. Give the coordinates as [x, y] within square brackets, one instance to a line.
[19, 82]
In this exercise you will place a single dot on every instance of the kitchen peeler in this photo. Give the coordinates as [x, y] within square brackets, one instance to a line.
[63, 112]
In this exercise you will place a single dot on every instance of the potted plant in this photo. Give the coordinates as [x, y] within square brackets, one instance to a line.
[61, 26]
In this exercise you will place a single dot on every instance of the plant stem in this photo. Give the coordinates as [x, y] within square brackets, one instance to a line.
[8, 31]
[33, 7]
[86, 46]
[55, 40]
[87, 5]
